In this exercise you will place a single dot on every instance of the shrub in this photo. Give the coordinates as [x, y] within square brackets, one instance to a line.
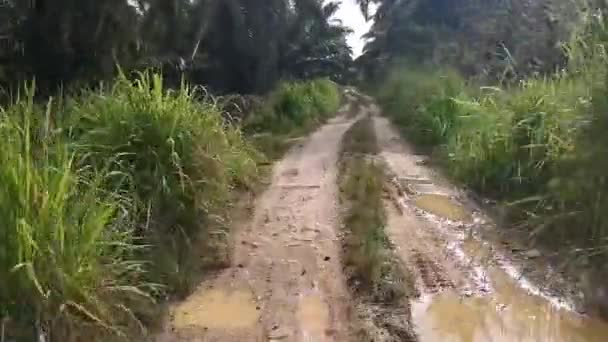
[421, 102]
[295, 107]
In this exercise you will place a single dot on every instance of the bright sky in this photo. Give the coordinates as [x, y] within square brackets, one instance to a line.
[351, 16]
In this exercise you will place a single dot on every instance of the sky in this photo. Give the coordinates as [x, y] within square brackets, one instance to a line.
[351, 16]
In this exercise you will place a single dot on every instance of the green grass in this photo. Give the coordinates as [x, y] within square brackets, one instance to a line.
[367, 255]
[293, 109]
[175, 156]
[68, 255]
[421, 102]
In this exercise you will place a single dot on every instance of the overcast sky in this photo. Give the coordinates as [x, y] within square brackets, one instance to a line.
[351, 16]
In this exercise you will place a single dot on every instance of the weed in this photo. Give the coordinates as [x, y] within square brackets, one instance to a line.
[422, 103]
[367, 252]
[174, 155]
[68, 255]
[293, 109]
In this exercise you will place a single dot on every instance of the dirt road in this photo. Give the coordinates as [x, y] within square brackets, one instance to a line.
[286, 281]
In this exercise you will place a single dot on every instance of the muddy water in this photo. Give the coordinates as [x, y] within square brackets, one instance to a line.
[442, 206]
[513, 310]
[508, 314]
[217, 309]
[313, 314]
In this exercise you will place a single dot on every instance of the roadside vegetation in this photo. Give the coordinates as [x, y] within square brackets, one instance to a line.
[535, 145]
[117, 198]
[293, 109]
[379, 282]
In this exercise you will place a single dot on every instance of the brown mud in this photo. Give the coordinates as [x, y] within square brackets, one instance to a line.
[472, 287]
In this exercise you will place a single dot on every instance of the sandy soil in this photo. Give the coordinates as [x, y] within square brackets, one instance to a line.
[286, 280]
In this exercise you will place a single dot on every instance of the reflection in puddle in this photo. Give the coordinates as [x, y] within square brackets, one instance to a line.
[442, 206]
[217, 309]
[508, 314]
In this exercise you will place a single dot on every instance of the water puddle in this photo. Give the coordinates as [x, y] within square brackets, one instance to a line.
[505, 307]
[217, 309]
[442, 206]
[509, 314]
[314, 316]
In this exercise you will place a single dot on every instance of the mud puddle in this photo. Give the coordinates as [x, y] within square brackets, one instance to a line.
[508, 314]
[313, 314]
[442, 206]
[217, 309]
[506, 306]
[471, 288]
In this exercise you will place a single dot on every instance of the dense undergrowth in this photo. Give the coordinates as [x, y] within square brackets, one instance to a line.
[293, 109]
[115, 199]
[537, 146]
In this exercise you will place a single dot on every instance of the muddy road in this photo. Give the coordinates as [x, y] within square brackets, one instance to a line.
[472, 287]
[286, 281]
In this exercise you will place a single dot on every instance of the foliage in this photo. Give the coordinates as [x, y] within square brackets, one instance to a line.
[422, 102]
[68, 254]
[174, 155]
[493, 39]
[292, 109]
[229, 45]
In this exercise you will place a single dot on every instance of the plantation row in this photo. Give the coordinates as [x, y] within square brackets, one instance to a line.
[539, 147]
[116, 199]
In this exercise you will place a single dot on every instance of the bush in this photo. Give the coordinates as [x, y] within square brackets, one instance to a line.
[295, 107]
[174, 155]
[421, 102]
[67, 253]
[510, 142]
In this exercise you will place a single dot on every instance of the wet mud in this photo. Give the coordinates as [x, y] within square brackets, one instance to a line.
[471, 289]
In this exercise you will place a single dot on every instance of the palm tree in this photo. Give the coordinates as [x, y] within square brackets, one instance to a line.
[241, 46]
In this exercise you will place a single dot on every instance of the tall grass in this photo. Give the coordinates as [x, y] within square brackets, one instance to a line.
[67, 252]
[511, 141]
[422, 103]
[530, 145]
[294, 108]
[175, 156]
